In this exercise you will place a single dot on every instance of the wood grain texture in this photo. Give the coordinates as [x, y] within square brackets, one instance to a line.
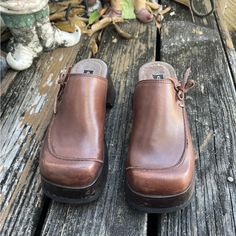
[26, 109]
[211, 106]
[7, 80]
[110, 215]
[227, 9]
[226, 20]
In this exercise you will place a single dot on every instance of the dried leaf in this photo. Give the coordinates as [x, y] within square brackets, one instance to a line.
[149, 8]
[82, 18]
[158, 24]
[57, 16]
[106, 21]
[54, 7]
[122, 33]
[103, 23]
[103, 11]
[94, 47]
[166, 10]
[77, 21]
[157, 12]
[77, 11]
[61, 15]
[99, 36]
[67, 26]
[94, 16]
[153, 5]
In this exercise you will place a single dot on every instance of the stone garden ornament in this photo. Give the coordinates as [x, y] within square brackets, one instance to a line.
[28, 21]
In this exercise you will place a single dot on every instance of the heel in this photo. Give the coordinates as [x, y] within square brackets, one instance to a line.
[111, 93]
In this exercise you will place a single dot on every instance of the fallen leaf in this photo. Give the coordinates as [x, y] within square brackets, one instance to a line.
[153, 5]
[77, 21]
[67, 26]
[54, 7]
[77, 11]
[94, 16]
[82, 18]
[103, 23]
[158, 24]
[99, 36]
[122, 33]
[164, 11]
[149, 8]
[62, 14]
[57, 16]
[103, 11]
[94, 47]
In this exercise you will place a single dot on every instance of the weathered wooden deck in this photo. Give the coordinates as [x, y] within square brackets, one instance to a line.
[27, 104]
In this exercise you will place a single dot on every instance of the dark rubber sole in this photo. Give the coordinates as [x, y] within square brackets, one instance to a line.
[71, 195]
[159, 204]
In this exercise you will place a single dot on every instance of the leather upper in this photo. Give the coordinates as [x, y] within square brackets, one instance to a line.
[73, 150]
[161, 156]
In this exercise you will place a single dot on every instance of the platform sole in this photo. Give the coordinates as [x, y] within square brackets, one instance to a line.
[159, 204]
[71, 195]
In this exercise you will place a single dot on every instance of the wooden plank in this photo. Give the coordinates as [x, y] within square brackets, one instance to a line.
[226, 19]
[26, 109]
[227, 10]
[7, 81]
[211, 106]
[8, 78]
[110, 215]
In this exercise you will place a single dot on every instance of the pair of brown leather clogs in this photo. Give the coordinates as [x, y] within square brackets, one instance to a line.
[160, 165]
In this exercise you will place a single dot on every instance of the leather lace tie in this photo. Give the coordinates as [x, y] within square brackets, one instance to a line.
[183, 87]
[62, 80]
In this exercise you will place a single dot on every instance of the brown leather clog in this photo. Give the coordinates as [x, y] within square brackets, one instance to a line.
[160, 165]
[73, 160]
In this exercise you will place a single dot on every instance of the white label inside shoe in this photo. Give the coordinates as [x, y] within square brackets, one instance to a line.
[88, 72]
[158, 76]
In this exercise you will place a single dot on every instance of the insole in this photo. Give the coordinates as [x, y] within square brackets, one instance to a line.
[90, 66]
[156, 70]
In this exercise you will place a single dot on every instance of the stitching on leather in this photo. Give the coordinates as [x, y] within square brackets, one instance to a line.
[167, 168]
[49, 140]
[143, 82]
[191, 185]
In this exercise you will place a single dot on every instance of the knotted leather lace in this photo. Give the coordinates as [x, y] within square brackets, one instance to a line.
[62, 79]
[183, 87]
